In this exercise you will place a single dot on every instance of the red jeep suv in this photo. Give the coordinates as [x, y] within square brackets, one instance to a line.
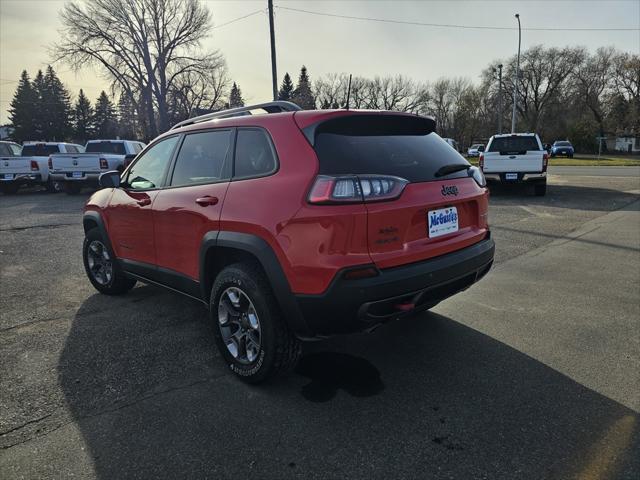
[292, 225]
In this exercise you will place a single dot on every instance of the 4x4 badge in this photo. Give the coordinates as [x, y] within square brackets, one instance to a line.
[452, 190]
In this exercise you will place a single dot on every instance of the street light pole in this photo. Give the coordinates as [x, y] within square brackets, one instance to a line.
[274, 73]
[500, 98]
[515, 83]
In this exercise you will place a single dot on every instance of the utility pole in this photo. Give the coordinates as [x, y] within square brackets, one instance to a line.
[515, 83]
[499, 98]
[274, 72]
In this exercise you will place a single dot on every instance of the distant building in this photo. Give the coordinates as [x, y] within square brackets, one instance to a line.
[628, 143]
[5, 132]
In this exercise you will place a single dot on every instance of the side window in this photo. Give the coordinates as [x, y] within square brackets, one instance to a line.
[149, 170]
[16, 149]
[254, 154]
[202, 158]
[71, 149]
[4, 149]
[137, 147]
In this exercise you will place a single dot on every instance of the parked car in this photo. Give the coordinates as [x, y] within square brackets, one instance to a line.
[475, 150]
[452, 143]
[516, 158]
[562, 147]
[292, 225]
[76, 170]
[31, 167]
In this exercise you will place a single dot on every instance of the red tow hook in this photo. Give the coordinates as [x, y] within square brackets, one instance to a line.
[405, 307]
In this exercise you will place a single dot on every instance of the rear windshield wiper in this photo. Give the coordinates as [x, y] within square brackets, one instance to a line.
[451, 168]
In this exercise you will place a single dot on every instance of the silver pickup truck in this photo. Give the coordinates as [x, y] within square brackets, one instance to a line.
[516, 158]
[76, 171]
[30, 166]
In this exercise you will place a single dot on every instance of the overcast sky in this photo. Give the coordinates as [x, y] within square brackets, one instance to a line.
[329, 44]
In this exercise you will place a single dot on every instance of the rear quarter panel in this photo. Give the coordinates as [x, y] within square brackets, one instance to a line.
[311, 242]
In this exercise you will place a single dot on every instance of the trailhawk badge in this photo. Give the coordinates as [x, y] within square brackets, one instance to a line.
[449, 190]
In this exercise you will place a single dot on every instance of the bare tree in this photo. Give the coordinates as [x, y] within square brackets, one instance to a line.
[626, 68]
[543, 74]
[149, 49]
[591, 81]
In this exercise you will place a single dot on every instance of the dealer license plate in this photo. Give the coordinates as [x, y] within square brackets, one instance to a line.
[8, 176]
[511, 176]
[77, 174]
[442, 221]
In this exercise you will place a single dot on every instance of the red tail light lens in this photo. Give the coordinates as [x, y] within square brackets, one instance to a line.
[329, 189]
[34, 166]
[50, 163]
[481, 161]
[103, 164]
[545, 162]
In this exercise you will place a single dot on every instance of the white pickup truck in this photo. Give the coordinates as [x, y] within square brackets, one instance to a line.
[76, 171]
[31, 166]
[516, 158]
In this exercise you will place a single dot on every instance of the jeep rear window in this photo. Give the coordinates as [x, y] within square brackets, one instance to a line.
[402, 146]
[39, 150]
[514, 144]
[106, 147]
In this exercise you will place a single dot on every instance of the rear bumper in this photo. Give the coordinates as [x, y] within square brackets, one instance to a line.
[88, 177]
[523, 177]
[356, 305]
[562, 152]
[23, 178]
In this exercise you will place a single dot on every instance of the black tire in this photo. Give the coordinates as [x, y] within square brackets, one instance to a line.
[72, 188]
[9, 188]
[279, 349]
[53, 187]
[540, 189]
[119, 282]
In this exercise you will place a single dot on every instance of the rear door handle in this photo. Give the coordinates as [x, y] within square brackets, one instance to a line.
[144, 202]
[207, 200]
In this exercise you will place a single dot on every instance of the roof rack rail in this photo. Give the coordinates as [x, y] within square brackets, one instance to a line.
[269, 107]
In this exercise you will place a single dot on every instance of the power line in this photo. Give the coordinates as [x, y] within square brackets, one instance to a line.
[238, 19]
[450, 25]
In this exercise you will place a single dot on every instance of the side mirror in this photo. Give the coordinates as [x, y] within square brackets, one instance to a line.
[109, 179]
[481, 148]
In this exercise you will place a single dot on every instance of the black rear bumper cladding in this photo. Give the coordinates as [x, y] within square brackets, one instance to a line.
[355, 305]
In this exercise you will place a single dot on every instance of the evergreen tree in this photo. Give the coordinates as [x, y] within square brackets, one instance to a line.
[83, 118]
[286, 89]
[56, 108]
[104, 118]
[21, 111]
[302, 95]
[235, 97]
[39, 109]
[127, 118]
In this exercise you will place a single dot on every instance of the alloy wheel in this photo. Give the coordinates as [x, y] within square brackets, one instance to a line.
[239, 325]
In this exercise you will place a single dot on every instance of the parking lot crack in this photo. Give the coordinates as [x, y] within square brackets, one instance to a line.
[30, 422]
[28, 227]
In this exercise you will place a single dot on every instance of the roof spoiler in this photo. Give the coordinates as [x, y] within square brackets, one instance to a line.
[372, 124]
[269, 107]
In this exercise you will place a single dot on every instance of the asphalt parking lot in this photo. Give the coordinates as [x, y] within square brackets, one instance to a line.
[532, 373]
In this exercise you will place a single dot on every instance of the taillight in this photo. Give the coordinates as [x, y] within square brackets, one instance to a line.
[50, 163]
[481, 161]
[545, 161]
[329, 189]
[103, 164]
[34, 166]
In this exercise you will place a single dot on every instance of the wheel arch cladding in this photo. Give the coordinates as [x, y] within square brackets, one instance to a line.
[220, 249]
[92, 219]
